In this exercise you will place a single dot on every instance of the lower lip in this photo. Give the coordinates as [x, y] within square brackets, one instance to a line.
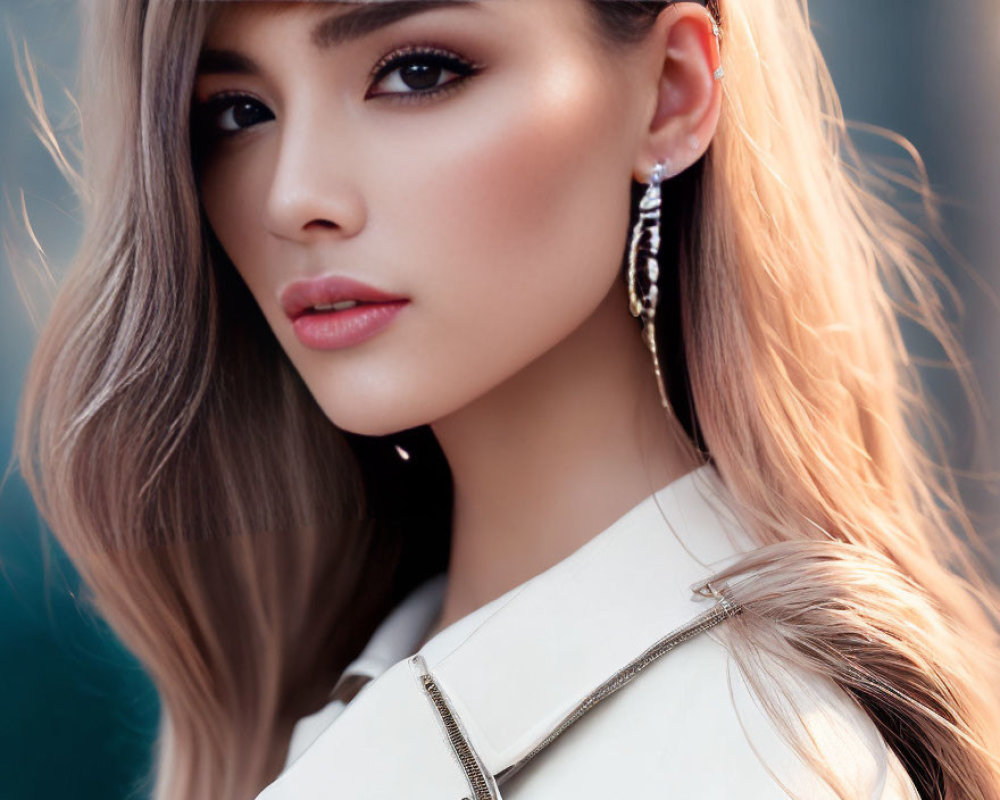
[334, 330]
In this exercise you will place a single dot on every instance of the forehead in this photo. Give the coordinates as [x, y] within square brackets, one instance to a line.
[332, 22]
[335, 22]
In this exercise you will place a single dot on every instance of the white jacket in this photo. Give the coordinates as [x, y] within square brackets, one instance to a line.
[604, 676]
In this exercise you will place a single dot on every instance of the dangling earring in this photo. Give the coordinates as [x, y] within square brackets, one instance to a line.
[644, 306]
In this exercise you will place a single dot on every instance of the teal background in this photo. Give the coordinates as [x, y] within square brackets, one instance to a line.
[77, 715]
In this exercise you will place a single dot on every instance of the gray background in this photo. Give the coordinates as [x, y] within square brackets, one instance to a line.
[77, 714]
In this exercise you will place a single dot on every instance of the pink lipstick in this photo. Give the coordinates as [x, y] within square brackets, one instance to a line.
[335, 312]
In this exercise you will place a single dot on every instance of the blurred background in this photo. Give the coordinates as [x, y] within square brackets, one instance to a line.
[78, 715]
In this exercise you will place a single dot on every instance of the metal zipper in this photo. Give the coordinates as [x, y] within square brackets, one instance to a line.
[722, 611]
[485, 786]
[480, 781]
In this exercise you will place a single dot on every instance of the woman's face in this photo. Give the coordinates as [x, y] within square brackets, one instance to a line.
[482, 174]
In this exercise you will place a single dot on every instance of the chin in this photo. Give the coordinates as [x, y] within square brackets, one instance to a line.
[382, 426]
[375, 416]
[383, 401]
[371, 420]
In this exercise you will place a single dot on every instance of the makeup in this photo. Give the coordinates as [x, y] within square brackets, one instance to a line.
[330, 329]
[334, 312]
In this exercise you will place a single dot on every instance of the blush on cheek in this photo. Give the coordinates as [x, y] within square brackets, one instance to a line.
[534, 165]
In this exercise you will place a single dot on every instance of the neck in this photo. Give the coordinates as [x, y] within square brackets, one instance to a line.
[553, 456]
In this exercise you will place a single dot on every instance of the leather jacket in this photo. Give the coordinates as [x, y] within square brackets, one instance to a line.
[605, 676]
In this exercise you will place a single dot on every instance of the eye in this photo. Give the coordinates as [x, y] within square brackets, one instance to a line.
[230, 113]
[415, 72]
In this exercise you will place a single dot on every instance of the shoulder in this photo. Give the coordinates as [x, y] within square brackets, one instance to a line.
[692, 723]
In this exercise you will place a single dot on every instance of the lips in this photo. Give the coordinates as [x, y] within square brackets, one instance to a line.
[329, 294]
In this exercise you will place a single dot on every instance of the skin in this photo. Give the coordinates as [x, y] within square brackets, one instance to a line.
[501, 209]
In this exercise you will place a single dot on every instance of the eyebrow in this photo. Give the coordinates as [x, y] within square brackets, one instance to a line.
[332, 31]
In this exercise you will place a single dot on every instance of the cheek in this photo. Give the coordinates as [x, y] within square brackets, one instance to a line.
[233, 191]
[525, 209]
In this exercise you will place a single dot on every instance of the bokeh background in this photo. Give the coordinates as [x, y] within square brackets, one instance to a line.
[77, 714]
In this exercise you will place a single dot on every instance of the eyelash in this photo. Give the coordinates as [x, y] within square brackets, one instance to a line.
[426, 54]
[400, 57]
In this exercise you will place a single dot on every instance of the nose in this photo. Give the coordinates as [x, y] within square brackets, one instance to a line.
[311, 193]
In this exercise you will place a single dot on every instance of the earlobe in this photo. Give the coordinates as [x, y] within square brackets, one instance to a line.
[688, 91]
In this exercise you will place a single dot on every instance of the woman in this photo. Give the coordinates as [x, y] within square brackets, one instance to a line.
[346, 417]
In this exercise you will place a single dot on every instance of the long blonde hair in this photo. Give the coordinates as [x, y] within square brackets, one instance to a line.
[244, 548]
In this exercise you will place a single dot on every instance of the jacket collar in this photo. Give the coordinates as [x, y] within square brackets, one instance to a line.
[512, 671]
[562, 633]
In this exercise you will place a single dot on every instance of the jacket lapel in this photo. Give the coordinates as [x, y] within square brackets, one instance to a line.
[454, 719]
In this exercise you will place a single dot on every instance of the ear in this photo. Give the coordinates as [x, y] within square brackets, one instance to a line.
[684, 53]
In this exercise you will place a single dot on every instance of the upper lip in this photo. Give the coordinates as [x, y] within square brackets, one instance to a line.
[301, 295]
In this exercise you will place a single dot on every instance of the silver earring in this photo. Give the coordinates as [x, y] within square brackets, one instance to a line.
[644, 306]
[717, 33]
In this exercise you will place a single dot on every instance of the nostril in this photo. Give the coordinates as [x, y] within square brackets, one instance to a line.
[321, 223]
